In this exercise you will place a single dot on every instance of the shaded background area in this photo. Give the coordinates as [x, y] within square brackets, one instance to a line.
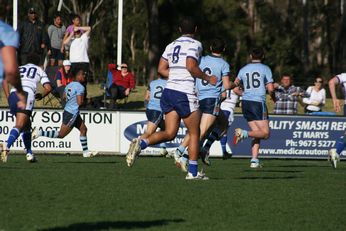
[302, 38]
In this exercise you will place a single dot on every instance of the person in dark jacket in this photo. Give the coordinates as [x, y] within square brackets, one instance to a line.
[33, 37]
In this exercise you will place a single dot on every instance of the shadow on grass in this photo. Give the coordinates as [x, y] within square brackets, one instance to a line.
[88, 162]
[267, 177]
[303, 166]
[283, 171]
[106, 225]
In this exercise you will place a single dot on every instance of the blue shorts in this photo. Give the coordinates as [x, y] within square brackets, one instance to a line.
[12, 102]
[184, 104]
[210, 106]
[71, 120]
[253, 110]
[154, 116]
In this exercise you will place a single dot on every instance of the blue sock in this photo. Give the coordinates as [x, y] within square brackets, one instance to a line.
[245, 134]
[181, 149]
[26, 136]
[193, 167]
[340, 145]
[84, 143]
[223, 142]
[143, 144]
[50, 134]
[163, 145]
[14, 134]
[254, 160]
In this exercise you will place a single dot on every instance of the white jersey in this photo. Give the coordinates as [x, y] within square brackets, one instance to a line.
[231, 100]
[31, 75]
[176, 54]
[342, 81]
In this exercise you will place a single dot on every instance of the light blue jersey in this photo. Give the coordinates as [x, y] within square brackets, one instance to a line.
[72, 90]
[255, 77]
[211, 65]
[156, 88]
[8, 37]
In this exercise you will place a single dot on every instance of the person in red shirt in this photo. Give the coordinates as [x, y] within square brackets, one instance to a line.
[123, 82]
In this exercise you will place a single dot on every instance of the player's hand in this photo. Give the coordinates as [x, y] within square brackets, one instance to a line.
[212, 80]
[38, 96]
[21, 104]
[336, 105]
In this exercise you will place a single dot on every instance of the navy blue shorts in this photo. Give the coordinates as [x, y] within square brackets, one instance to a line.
[184, 104]
[12, 102]
[56, 54]
[154, 116]
[210, 106]
[71, 120]
[253, 110]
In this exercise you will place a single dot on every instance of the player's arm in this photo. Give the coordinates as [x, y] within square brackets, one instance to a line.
[332, 83]
[271, 91]
[238, 91]
[147, 95]
[163, 68]
[195, 71]
[226, 82]
[80, 100]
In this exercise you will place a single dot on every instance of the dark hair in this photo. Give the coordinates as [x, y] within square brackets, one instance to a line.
[217, 45]
[75, 71]
[286, 75]
[57, 14]
[33, 58]
[187, 25]
[74, 16]
[257, 53]
[319, 77]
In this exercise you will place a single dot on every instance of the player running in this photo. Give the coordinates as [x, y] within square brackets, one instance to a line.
[154, 112]
[208, 96]
[179, 101]
[74, 95]
[334, 153]
[31, 74]
[255, 77]
[227, 107]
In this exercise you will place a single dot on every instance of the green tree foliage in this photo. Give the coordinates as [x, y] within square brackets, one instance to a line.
[302, 38]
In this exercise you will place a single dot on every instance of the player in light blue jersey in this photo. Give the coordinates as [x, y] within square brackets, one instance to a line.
[255, 78]
[208, 97]
[154, 112]
[179, 63]
[74, 95]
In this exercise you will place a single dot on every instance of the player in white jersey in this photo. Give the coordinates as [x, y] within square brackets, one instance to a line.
[179, 63]
[334, 153]
[31, 74]
[208, 96]
[227, 107]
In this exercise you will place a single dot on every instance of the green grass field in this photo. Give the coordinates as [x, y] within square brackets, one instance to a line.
[61, 193]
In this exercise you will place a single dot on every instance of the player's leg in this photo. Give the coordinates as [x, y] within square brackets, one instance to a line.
[257, 127]
[26, 137]
[80, 125]
[172, 122]
[68, 122]
[334, 153]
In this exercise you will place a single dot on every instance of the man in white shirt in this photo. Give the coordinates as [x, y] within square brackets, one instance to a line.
[79, 50]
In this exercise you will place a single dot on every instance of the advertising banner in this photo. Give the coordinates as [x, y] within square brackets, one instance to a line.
[294, 136]
[102, 132]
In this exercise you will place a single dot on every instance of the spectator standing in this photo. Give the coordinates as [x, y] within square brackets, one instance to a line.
[317, 97]
[123, 82]
[79, 50]
[76, 22]
[63, 77]
[56, 33]
[287, 96]
[33, 37]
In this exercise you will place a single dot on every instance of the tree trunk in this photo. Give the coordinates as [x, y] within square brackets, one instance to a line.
[154, 53]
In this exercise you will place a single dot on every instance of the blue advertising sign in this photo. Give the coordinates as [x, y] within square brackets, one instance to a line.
[293, 136]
